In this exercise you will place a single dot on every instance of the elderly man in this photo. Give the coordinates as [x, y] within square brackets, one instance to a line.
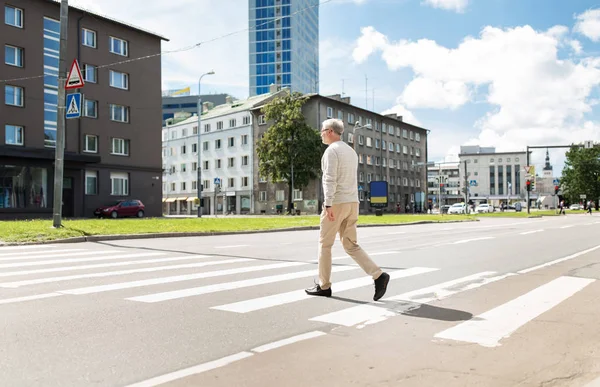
[340, 212]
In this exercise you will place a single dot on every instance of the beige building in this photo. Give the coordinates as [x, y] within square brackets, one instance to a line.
[494, 177]
[389, 149]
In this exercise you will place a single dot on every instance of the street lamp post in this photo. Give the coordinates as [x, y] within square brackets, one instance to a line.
[357, 125]
[199, 167]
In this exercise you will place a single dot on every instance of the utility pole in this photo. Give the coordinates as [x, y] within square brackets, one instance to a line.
[61, 119]
[466, 189]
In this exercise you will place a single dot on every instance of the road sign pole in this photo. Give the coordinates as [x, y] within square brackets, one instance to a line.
[528, 209]
[61, 118]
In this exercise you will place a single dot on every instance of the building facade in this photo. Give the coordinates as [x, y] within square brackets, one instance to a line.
[284, 45]
[388, 149]
[494, 177]
[188, 104]
[110, 152]
[226, 147]
[449, 184]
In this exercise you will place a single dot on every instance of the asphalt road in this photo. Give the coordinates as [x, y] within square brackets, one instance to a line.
[497, 302]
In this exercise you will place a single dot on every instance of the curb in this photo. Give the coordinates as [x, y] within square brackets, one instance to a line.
[100, 238]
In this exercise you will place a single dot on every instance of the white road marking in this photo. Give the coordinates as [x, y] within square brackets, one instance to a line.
[494, 325]
[288, 341]
[370, 254]
[182, 293]
[26, 247]
[102, 265]
[229, 247]
[198, 369]
[531, 232]
[569, 226]
[22, 253]
[473, 240]
[396, 233]
[299, 295]
[121, 272]
[76, 254]
[375, 311]
[28, 298]
[524, 271]
[74, 260]
[177, 278]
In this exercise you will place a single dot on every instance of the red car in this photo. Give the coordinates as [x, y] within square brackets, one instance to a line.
[121, 208]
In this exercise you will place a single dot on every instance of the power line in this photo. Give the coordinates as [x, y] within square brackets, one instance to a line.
[187, 48]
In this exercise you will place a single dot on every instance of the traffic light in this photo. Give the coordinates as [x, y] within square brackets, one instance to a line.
[528, 184]
[555, 189]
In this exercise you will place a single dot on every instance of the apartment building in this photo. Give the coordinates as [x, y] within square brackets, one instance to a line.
[494, 177]
[227, 159]
[172, 105]
[444, 184]
[388, 149]
[111, 151]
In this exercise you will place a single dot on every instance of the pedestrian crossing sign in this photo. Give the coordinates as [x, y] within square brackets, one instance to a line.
[73, 105]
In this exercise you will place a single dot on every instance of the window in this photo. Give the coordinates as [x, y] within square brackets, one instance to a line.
[231, 182]
[231, 141]
[244, 181]
[13, 135]
[90, 108]
[119, 183]
[244, 160]
[120, 147]
[88, 37]
[244, 139]
[19, 192]
[119, 113]
[183, 186]
[119, 80]
[183, 167]
[13, 16]
[219, 125]
[183, 149]
[13, 56]
[91, 143]
[204, 146]
[232, 123]
[118, 46]
[297, 195]
[90, 73]
[329, 112]
[231, 162]
[206, 128]
[262, 120]
[218, 164]
[218, 144]
[263, 196]
[279, 195]
[13, 95]
[91, 183]
[247, 120]
[417, 137]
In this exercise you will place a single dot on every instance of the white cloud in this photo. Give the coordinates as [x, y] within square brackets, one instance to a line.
[576, 46]
[588, 24]
[451, 5]
[535, 97]
[185, 23]
[407, 115]
[430, 93]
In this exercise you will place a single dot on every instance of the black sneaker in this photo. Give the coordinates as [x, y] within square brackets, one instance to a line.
[317, 291]
[381, 286]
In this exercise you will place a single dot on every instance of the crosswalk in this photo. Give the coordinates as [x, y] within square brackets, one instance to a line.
[36, 274]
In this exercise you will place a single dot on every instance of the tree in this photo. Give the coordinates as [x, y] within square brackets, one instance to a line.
[581, 174]
[289, 143]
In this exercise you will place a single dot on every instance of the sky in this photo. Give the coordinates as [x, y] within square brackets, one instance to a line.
[503, 73]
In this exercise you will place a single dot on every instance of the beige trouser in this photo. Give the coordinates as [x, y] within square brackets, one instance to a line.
[346, 217]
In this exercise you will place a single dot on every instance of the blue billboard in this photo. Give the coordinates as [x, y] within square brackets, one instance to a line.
[378, 193]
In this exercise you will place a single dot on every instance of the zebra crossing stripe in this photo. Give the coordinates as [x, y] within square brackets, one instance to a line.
[492, 326]
[299, 295]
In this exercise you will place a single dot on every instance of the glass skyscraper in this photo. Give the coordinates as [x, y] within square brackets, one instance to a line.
[284, 45]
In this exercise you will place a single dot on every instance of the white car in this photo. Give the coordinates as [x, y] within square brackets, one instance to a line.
[457, 208]
[484, 208]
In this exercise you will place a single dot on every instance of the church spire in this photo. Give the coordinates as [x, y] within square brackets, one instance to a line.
[548, 167]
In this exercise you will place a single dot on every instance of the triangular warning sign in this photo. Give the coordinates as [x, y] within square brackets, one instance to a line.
[74, 79]
[73, 108]
[527, 169]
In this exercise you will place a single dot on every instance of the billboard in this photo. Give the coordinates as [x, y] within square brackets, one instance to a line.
[378, 193]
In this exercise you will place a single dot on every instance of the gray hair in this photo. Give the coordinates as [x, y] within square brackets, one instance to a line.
[335, 124]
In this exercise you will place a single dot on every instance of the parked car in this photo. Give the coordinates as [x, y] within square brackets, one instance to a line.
[122, 208]
[576, 207]
[457, 208]
[484, 207]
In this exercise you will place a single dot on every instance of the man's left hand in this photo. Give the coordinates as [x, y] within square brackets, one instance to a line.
[329, 214]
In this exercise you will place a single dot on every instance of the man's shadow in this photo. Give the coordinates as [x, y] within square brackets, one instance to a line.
[415, 309]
